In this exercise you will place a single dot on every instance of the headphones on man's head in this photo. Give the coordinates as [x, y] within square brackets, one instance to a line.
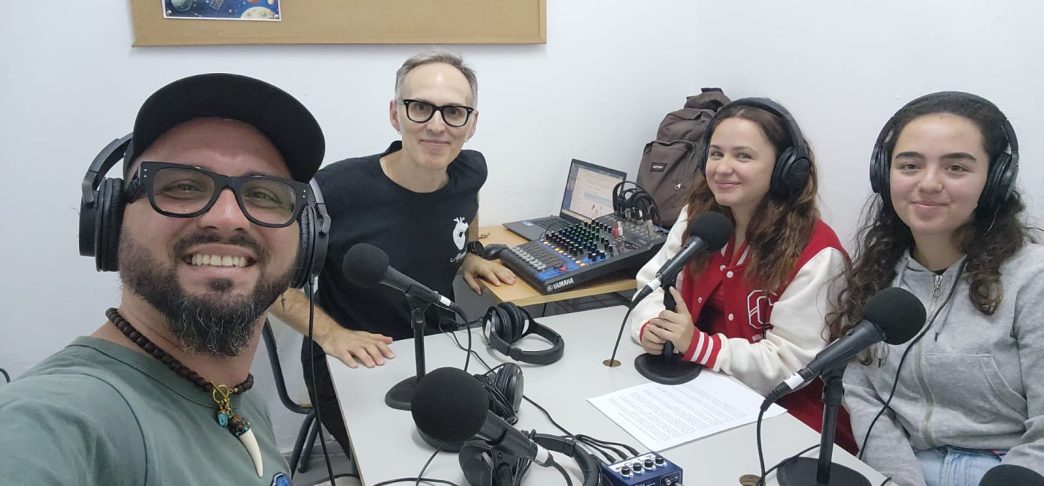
[477, 461]
[790, 173]
[504, 324]
[101, 218]
[1000, 177]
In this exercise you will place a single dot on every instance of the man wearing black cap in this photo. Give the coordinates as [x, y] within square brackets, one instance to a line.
[205, 231]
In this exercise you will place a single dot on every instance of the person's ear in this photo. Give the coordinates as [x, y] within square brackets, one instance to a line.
[473, 125]
[393, 115]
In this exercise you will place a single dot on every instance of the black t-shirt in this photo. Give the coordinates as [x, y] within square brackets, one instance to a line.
[424, 235]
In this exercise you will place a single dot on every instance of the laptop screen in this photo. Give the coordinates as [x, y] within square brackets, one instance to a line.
[589, 190]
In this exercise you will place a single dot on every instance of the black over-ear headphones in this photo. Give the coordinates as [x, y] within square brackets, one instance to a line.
[1002, 172]
[101, 218]
[505, 386]
[793, 164]
[478, 464]
[506, 323]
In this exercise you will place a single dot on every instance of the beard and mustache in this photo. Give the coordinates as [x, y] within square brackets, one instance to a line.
[218, 323]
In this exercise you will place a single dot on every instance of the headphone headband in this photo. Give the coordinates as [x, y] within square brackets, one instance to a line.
[796, 139]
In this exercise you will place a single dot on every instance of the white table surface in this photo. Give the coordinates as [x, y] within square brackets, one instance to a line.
[387, 446]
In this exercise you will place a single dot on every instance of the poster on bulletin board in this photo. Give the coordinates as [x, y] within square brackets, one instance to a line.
[213, 22]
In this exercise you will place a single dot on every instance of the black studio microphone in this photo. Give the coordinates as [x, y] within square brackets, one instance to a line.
[367, 266]
[893, 315]
[1011, 474]
[710, 232]
[451, 406]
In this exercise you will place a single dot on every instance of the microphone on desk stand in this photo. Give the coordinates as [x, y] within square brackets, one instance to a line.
[710, 232]
[894, 316]
[367, 266]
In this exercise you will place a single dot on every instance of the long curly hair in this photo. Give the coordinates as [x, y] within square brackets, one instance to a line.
[988, 238]
[781, 226]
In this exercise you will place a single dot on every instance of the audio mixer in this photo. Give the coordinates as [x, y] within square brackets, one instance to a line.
[574, 255]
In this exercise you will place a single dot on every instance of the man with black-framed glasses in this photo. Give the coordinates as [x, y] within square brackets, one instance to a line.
[417, 201]
[207, 228]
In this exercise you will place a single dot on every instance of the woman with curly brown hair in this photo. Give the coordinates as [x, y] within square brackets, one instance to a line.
[756, 309]
[967, 392]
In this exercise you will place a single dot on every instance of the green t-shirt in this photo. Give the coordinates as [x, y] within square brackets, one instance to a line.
[97, 413]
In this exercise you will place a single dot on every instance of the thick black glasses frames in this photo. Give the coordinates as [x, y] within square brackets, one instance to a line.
[185, 191]
[420, 111]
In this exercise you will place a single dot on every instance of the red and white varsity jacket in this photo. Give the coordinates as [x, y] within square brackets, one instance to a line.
[761, 336]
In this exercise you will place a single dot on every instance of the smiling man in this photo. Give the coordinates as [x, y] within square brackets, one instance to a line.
[417, 201]
[206, 237]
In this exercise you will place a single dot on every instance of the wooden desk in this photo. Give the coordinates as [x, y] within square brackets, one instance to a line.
[523, 294]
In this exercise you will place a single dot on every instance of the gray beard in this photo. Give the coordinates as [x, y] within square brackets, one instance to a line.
[217, 323]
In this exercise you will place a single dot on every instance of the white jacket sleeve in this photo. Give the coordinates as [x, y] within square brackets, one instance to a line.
[798, 328]
[652, 305]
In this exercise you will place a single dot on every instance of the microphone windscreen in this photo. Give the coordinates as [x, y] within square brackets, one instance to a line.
[898, 313]
[449, 405]
[365, 265]
[1011, 474]
[713, 228]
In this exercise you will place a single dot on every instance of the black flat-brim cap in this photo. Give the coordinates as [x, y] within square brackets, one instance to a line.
[274, 112]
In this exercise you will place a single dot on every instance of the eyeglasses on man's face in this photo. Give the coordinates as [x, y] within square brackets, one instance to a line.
[420, 111]
[185, 191]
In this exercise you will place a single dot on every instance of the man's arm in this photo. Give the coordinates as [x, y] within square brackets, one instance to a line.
[350, 346]
[476, 267]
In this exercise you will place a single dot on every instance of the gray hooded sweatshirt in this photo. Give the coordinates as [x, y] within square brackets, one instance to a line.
[973, 381]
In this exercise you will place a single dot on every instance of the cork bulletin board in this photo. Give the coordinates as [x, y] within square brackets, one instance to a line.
[349, 22]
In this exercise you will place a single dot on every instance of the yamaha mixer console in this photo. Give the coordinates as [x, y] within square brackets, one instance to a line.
[579, 253]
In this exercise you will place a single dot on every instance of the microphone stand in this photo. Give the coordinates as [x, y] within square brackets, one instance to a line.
[801, 470]
[400, 395]
[667, 369]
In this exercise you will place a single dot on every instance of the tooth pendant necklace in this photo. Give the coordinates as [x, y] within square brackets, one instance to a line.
[221, 394]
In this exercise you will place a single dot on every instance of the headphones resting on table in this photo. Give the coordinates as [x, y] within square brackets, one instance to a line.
[101, 217]
[790, 172]
[504, 384]
[505, 324]
[477, 461]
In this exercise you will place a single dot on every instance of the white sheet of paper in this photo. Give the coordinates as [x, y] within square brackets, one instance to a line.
[663, 416]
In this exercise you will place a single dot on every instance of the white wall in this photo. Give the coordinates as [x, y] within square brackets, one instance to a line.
[843, 68]
[70, 82]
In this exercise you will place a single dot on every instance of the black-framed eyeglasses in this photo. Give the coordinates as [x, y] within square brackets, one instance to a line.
[420, 111]
[185, 191]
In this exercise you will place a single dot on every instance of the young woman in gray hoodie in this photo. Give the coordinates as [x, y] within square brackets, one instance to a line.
[967, 393]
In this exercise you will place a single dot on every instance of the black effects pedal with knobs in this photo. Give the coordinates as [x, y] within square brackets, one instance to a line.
[648, 469]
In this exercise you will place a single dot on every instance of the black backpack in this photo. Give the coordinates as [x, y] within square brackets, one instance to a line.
[668, 165]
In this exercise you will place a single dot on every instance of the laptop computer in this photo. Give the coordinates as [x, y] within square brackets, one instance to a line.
[588, 194]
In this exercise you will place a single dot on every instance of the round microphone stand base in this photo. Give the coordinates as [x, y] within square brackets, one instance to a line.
[666, 371]
[440, 445]
[400, 395]
[802, 472]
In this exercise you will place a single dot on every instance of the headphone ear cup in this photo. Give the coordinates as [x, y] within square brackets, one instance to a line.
[305, 250]
[504, 324]
[1000, 181]
[89, 225]
[879, 168]
[108, 222]
[477, 469]
[790, 173]
[518, 320]
[509, 382]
